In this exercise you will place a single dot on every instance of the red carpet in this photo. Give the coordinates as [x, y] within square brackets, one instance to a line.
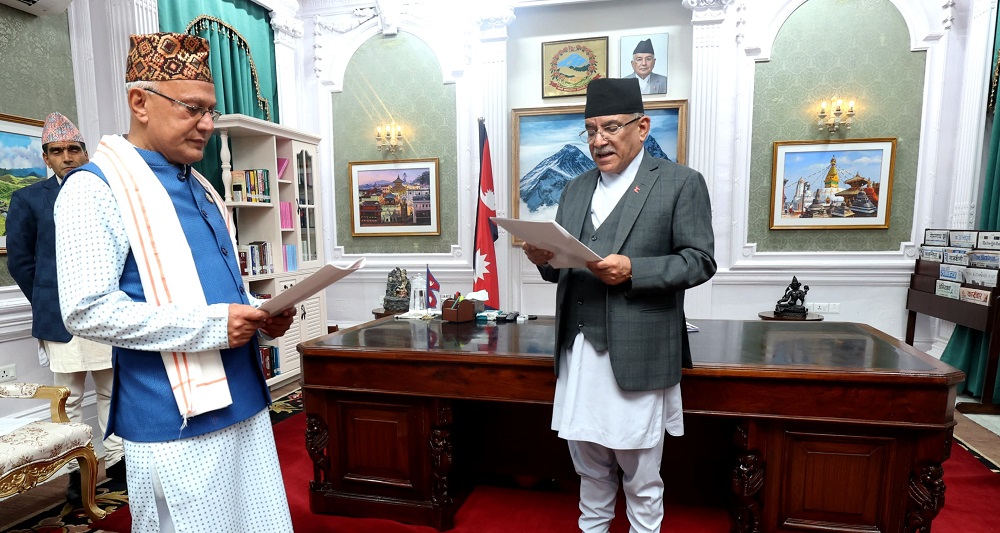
[972, 490]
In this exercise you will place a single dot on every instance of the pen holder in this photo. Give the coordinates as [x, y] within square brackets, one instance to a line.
[453, 310]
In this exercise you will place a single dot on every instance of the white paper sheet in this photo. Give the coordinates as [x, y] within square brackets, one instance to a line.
[317, 281]
[548, 235]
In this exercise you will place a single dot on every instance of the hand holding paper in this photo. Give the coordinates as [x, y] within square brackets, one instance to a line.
[317, 281]
[569, 251]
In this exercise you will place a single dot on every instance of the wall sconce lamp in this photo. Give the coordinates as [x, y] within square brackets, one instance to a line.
[388, 137]
[837, 116]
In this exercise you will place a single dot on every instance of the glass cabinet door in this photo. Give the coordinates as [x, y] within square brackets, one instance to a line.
[307, 198]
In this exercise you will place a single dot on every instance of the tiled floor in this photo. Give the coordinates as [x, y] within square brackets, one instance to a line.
[990, 422]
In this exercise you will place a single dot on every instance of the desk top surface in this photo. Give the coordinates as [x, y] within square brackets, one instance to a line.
[840, 346]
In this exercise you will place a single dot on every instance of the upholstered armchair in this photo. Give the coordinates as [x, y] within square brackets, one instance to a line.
[31, 453]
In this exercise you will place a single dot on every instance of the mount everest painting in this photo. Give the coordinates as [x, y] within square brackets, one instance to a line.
[551, 153]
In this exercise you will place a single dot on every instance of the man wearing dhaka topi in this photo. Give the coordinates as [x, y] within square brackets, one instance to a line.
[147, 262]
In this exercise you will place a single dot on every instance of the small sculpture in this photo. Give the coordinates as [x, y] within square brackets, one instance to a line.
[792, 304]
[397, 291]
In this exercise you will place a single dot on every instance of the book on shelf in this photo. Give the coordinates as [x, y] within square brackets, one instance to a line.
[255, 184]
[290, 257]
[259, 259]
[269, 360]
[285, 212]
[282, 165]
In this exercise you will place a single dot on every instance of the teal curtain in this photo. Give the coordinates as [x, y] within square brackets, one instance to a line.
[241, 58]
[967, 347]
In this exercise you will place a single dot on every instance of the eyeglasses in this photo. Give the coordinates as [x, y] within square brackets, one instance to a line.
[194, 111]
[607, 131]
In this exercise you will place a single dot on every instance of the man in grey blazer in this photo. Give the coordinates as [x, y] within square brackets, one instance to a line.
[621, 339]
[643, 61]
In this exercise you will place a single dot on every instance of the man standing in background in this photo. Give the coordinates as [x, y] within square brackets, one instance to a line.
[31, 259]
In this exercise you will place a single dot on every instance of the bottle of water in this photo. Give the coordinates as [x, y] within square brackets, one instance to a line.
[418, 293]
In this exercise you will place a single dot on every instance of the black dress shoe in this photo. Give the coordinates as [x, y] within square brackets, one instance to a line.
[74, 492]
[116, 471]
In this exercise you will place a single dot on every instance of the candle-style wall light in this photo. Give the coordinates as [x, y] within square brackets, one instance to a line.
[838, 114]
[387, 137]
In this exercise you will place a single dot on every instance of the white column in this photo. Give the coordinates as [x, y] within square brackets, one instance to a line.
[711, 116]
[287, 36]
[965, 180]
[491, 87]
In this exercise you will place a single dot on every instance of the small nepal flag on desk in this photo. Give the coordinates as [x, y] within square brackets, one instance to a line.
[433, 288]
[485, 261]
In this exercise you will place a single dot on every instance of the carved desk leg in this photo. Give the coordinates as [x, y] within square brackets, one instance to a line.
[441, 453]
[747, 482]
[925, 495]
[317, 436]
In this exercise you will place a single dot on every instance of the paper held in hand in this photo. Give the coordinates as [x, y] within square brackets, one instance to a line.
[548, 235]
[317, 281]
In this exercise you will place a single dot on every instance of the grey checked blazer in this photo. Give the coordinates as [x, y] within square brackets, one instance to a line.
[666, 232]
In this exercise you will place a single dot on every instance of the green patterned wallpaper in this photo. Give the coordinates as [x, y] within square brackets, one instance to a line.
[858, 50]
[395, 79]
[36, 72]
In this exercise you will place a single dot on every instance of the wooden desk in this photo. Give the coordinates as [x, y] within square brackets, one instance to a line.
[835, 426]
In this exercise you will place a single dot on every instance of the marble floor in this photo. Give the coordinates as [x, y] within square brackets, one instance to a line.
[990, 422]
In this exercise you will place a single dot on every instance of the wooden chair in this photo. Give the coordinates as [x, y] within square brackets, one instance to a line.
[31, 453]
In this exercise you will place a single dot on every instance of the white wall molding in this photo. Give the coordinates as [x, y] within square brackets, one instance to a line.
[15, 316]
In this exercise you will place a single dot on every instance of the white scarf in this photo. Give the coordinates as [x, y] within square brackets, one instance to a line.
[167, 271]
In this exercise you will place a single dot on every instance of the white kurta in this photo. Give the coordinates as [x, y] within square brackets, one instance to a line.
[589, 405]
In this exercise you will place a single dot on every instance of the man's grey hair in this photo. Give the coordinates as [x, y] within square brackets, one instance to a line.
[142, 84]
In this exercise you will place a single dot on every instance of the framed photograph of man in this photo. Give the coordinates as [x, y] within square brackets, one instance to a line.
[569, 66]
[645, 57]
[393, 198]
[833, 184]
[548, 151]
[21, 162]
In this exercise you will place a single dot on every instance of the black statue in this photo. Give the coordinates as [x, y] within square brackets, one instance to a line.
[793, 302]
[397, 291]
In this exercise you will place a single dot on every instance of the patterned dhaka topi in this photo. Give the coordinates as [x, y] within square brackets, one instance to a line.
[167, 56]
[58, 129]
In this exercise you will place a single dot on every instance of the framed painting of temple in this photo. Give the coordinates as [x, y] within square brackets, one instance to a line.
[835, 184]
[393, 198]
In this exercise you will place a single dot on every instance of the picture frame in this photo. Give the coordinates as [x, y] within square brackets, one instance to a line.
[569, 66]
[547, 151]
[21, 162]
[834, 184]
[661, 53]
[395, 198]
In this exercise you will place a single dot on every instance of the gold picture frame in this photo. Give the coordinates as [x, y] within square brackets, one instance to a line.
[395, 198]
[832, 184]
[20, 141]
[543, 137]
[569, 66]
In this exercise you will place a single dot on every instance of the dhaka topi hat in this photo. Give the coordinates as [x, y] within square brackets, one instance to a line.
[613, 96]
[58, 129]
[166, 57]
[645, 46]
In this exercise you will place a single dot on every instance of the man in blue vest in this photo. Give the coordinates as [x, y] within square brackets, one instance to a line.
[147, 262]
[31, 259]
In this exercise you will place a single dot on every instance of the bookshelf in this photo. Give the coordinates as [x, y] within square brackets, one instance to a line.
[921, 298]
[288, 220]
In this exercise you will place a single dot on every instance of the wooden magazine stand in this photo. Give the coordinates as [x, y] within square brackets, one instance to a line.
[920, 298]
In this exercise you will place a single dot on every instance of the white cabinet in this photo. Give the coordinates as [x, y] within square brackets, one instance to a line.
[278, 219]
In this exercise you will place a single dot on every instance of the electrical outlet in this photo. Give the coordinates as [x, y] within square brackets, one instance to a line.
[834, 308]
[8, 373]
[822, 307]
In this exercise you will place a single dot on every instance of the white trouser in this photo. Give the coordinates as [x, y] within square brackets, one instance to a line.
[598, 469]
[114, 450]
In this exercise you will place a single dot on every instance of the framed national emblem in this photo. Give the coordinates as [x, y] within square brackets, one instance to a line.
[569, 66]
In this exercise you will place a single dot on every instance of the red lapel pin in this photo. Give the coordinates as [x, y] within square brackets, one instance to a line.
[636, 188]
